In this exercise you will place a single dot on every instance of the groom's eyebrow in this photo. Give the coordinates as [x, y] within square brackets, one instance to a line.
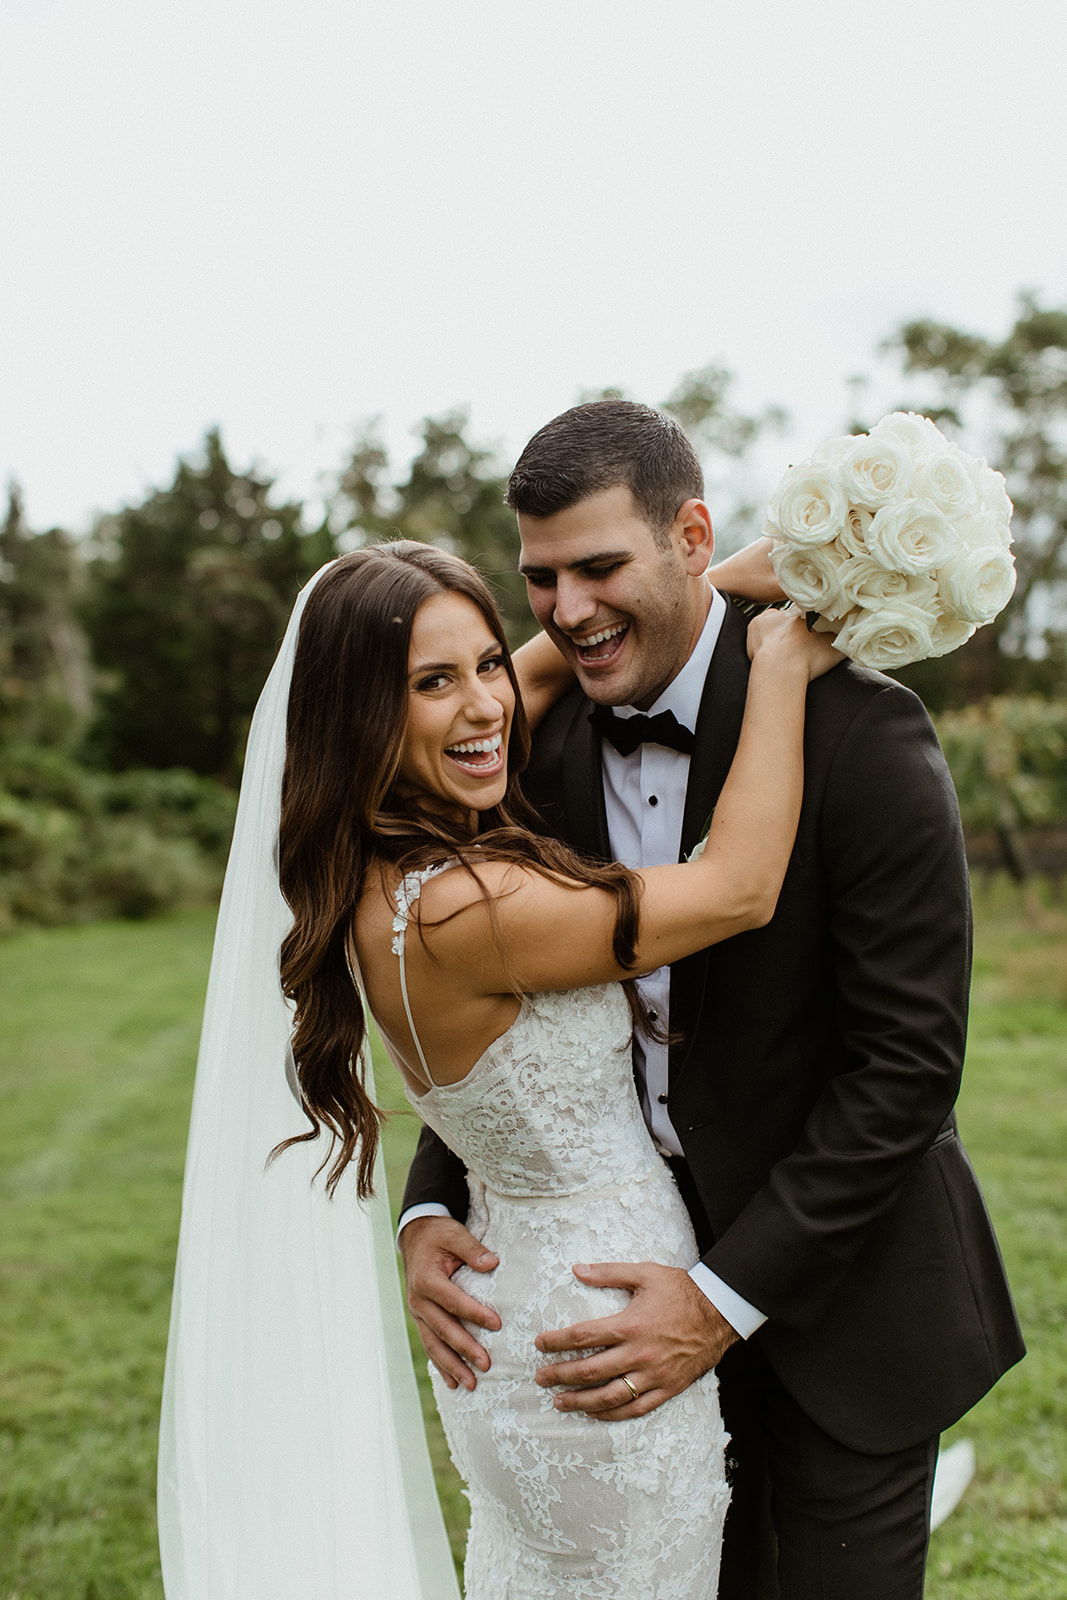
[603, 558]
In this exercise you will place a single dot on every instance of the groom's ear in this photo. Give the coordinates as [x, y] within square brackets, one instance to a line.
[695, 536]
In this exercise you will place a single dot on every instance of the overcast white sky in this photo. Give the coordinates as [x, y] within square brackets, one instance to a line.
[288, 215]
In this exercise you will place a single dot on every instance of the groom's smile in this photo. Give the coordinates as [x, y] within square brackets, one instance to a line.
[602, 647]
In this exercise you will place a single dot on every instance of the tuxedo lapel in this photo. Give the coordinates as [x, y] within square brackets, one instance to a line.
[722, 709]
[583, 787]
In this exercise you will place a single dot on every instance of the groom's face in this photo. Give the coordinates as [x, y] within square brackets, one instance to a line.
[624, 608]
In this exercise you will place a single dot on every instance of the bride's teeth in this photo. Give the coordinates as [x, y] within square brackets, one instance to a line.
[475, 747]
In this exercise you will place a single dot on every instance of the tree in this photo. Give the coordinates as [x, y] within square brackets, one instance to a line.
[1017, 388]
[189, 597]
[453, 495]
[44, 673]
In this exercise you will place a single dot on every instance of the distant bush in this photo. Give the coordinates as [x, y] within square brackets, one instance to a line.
[77, 844]
[1008, 758]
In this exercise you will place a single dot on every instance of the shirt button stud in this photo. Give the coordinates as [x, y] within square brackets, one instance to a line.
[662, 1098]
[653, 799]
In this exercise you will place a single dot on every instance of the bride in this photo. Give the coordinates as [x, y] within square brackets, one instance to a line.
[498, 967]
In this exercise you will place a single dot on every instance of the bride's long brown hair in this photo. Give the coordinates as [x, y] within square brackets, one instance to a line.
[340, 813]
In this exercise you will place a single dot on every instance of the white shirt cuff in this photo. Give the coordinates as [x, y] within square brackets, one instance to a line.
[428, 1208]
[743, 1318]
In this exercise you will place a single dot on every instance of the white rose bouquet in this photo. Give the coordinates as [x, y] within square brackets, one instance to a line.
[896, 539]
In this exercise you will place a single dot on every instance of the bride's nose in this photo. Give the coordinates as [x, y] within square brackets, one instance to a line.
[482, 704]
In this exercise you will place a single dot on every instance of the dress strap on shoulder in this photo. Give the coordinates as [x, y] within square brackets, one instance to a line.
[407, 891]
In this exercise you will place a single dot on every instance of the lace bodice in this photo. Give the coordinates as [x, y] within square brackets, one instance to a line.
[561, 1169]
[548, 1109]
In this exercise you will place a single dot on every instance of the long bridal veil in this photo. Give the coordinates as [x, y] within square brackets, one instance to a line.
[293, 1462]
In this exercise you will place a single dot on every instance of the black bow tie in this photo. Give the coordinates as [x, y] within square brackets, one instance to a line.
[626, 733]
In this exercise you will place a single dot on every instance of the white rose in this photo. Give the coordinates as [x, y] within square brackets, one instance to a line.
[977, 584]
[911, 536]
[808, 507]
[893, 636]
[992, 491]
[853, 536]
[876, 471]
[864, 582]
[810, 576]
[948, 634]
[836, 449]
[921, 436]
[982, 530]
[945, 479]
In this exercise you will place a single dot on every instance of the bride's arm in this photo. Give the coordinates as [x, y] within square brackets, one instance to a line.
[544, 935]
[748, 574]
[544, 676]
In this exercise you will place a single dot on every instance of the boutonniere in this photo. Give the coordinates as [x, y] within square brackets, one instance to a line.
[698, 849]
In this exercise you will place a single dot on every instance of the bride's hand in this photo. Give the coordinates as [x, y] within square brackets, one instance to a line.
[748, 574]
[784, 636]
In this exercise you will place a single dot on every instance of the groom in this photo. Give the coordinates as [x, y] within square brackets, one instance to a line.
[849, 1290]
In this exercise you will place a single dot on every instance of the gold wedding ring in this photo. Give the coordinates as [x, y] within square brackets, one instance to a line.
[634, 1393]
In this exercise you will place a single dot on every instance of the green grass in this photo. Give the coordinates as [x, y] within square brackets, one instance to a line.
[100, 1026]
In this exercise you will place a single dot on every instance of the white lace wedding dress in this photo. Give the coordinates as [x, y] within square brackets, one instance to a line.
[561, 1170]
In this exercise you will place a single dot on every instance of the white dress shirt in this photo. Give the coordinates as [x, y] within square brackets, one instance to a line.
[644, 796]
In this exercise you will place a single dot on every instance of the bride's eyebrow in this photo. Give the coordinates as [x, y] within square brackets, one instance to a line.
[432, 666]
[450, 666]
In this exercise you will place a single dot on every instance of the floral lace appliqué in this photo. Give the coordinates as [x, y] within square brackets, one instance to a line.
[561, 1169]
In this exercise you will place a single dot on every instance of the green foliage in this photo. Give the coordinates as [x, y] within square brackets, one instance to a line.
[77, 844]
[1008, 758]
[189, 597]
[44, 673]
[700, 402]
[1021, 381]
[453, 496]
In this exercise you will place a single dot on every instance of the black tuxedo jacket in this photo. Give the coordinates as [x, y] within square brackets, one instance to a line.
[819, 1060]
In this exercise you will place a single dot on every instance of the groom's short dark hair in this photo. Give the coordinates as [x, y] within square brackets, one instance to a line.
[606, 444]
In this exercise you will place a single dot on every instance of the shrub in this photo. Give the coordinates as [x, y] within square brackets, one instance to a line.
[76, 844]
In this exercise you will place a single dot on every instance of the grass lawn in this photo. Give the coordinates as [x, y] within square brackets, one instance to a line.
[99, 1039]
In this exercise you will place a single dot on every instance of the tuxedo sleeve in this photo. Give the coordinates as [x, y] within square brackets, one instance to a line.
[436, 1175]
[897, 914]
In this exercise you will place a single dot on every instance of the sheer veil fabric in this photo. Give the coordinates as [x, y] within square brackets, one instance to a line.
[292, 1461]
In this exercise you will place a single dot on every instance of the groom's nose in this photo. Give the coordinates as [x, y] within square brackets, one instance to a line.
[575, 603]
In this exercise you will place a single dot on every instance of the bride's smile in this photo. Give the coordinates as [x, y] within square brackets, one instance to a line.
[460, 706]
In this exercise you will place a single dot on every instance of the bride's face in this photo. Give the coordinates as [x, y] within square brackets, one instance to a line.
[460, 706]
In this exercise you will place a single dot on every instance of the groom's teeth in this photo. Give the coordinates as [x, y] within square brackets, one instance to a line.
[598, 638]
[475, 747]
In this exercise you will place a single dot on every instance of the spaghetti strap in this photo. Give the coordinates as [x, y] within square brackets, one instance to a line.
[406, 893]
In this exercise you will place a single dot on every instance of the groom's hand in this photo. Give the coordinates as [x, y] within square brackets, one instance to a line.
[669, 1335]
[434, 1248]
